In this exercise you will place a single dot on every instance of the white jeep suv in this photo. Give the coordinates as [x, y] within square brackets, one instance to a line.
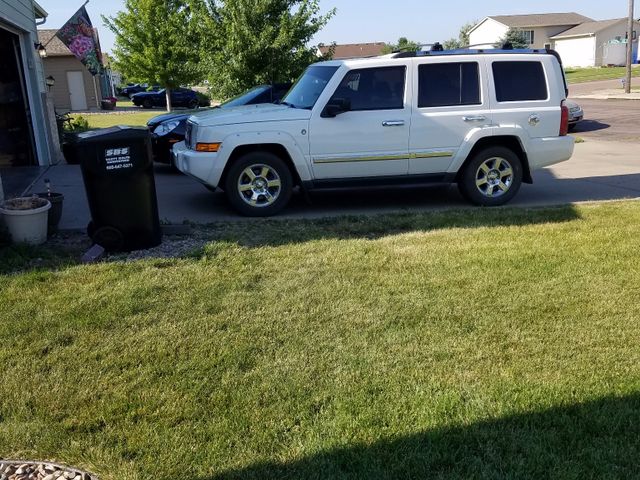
[483, 119]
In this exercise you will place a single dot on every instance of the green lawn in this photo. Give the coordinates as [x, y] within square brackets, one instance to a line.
[481, 343]
[580, 75]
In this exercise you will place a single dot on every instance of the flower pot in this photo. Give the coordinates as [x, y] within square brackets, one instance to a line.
[55, 213]
[26, 219]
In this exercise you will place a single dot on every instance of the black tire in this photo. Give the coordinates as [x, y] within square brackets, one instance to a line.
[193, 104]
[147, 103]
[479, 195]
[572, 127]
[236, 174]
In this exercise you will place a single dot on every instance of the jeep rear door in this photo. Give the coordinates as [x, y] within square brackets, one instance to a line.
[372, 138]
[450, 102]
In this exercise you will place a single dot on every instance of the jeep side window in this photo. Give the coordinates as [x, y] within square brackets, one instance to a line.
[448, 84]
[373, 88]
[519, 81]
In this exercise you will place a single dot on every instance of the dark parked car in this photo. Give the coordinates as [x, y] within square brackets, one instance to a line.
[169, 128]
[180, 97]
[131, 90]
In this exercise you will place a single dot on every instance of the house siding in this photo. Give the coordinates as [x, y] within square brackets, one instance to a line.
[19, 16]
[603, 37]
[488, 33]
[577, 52]
[58, 67]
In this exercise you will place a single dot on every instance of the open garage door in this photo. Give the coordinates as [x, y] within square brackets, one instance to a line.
[16, 133]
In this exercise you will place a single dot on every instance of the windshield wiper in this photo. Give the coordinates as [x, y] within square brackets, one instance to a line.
[290, 105]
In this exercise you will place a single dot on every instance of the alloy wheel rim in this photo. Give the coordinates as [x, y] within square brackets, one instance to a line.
[494, 177]
[259, 185]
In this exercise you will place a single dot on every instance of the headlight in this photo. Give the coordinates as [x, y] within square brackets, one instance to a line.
[165, 128]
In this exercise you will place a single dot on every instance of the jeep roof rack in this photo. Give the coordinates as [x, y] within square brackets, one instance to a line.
[470, 51]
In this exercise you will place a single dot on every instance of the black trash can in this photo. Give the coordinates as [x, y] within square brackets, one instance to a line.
[117, 169]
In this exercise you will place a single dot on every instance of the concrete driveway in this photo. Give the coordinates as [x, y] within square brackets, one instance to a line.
[598, 171]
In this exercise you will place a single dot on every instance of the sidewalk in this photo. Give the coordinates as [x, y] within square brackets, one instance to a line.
[611, 94]
[597, 171]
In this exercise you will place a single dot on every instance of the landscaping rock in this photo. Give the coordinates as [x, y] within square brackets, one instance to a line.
[16, 470]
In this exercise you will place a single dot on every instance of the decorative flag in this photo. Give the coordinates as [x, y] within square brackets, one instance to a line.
[79, 37]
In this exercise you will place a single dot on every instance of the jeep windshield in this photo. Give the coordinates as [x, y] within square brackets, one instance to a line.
[306, 91]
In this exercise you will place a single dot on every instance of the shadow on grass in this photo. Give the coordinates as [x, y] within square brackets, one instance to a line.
[599, 439]
[277, 232]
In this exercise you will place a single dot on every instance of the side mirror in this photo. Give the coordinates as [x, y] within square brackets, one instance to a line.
[335, 107]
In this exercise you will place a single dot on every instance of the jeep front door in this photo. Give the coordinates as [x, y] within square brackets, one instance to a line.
[370, 136]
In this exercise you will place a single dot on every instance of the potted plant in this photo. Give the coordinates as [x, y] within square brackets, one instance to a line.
[55, 213]
[109, 103]
[26, 219]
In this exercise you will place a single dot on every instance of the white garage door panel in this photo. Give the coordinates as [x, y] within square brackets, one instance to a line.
[577, 52]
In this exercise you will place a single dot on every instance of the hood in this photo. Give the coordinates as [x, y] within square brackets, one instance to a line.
[265, 112]
[167, 117]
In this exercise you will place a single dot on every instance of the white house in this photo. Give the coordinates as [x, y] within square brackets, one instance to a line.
[596, 44]
[537, 28]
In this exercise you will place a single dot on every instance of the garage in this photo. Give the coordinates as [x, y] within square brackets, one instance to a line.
[16, 135]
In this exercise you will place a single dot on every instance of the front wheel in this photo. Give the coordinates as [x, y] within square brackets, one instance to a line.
[259, 184]
[147, 103]
[492, 177]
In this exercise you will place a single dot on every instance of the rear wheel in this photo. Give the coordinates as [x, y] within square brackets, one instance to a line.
[193, 104]
[147, 103]
[259, 184]
[492, 177]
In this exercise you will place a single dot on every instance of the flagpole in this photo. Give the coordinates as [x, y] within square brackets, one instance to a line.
[53, 36]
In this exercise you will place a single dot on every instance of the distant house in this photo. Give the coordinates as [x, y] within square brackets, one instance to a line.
[75, 88]
[596, 44]
[581, 41]
[353, 50]
[26, 131]
[537, 28]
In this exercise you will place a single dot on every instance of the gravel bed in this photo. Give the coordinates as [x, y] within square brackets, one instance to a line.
[31, 470]
[171, 247]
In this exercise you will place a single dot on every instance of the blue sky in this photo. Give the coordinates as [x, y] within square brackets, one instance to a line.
[360, 21]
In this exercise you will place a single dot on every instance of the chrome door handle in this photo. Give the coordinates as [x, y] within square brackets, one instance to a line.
[534, 119]
[474, 118]
[393, 123]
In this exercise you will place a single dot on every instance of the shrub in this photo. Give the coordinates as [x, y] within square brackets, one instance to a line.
[76, 125]
[203, 99]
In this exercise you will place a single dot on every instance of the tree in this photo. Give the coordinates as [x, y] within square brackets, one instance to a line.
[156, 42]
[403, 45]
[463, 37]
[250, 42]
[514, 38]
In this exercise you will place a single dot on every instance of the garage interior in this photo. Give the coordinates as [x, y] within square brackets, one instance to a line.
[16, 133]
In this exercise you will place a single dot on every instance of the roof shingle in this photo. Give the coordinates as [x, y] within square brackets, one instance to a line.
[354, 50]
[588, 28]
[541, 19]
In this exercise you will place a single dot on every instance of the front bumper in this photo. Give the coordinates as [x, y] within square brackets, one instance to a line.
[575, 116]
[162, 146]
[197, 165]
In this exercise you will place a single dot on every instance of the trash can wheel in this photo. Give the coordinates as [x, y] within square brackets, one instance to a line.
[110, 238]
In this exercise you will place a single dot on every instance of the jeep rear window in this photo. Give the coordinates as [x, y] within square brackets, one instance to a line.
[519, 81]
[306, 91]
[448, 84]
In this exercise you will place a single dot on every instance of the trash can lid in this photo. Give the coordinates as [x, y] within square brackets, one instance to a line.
[119, 132]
